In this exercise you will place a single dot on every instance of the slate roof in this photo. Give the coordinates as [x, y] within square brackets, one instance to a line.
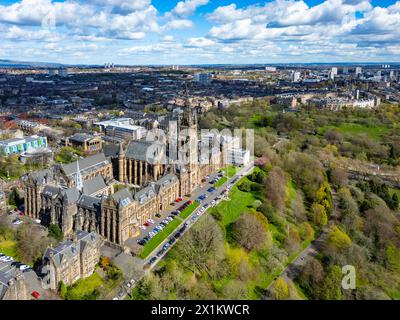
[146, 194]
[143, 150]
[165, 181]
[70, 248]
[94, 185]
[85, 163]
[89, 202]
[123, 197]
[81, 137]
[111, 150]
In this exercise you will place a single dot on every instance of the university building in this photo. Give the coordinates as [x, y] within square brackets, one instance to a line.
[80, 195]
[73, 259]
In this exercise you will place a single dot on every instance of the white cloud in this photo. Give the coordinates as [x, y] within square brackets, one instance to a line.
[188, 7]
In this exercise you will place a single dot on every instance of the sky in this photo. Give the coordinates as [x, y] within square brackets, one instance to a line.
[137, 32]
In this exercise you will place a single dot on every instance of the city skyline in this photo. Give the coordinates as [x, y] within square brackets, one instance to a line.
[200, 31]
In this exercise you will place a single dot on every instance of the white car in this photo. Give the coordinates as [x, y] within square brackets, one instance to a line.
[143, 227]
[151, 220]
[115, 298]
[38, 221]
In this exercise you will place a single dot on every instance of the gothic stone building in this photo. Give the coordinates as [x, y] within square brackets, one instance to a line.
[72, 260]
[80, 195]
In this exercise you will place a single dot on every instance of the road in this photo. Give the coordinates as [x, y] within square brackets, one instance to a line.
[124, 289]
[295, 267]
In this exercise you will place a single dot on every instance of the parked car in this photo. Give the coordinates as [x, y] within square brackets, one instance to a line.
[152, 260]
[171, 241]
[35, 294]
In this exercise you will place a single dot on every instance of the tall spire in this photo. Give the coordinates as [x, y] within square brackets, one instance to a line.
[188, 112]
[78, 177]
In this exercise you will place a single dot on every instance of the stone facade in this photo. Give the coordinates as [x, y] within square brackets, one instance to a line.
[80, 195]
[73, 259]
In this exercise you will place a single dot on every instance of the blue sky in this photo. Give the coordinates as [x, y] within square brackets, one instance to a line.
[200, 31]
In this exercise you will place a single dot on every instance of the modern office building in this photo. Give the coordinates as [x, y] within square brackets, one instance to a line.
[84, 141]
[238, 156]
[122, 128]
[20, 145]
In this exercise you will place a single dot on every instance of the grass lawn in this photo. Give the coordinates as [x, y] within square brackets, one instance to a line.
[357, 129]
[230, 171]
[158, 238]
[8, 247]
[189, 209]
[85, 289]
[220, 182]
[238, 203]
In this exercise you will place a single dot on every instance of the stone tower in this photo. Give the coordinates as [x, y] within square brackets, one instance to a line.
[121, 164]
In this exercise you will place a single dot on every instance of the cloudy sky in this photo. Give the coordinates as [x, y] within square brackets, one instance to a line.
[200, 31]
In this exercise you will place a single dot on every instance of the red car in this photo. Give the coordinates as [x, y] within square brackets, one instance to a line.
[35, 294]
[178, 200]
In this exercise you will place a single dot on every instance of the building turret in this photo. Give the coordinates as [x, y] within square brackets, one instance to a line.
[121, 164]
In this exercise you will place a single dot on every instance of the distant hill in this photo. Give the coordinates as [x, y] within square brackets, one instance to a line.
[24, 64]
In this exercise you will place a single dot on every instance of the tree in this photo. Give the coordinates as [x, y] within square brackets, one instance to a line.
[332, 285]
[275, 187]
[62, 289]
[14, 198]
[249, 232]
[202, 247]
[318, 215]
[280, 289]
[338, 176]
[104, 262]
[306, 231]
[56, 232]
[31, 243]
[393, 257]
[311, 277]
[338, 239]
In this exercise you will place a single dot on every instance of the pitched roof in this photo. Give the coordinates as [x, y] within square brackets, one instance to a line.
[94, 185]
[123, 197]
[143, 150]
[98, 159]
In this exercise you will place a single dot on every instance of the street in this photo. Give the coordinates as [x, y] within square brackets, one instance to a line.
[140, 264]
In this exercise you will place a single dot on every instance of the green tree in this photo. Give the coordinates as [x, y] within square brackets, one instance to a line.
[55, 232]
[62, 289]
[332, 285]
[280, 289]
[393, 257]
[338, 239]
[318, 214]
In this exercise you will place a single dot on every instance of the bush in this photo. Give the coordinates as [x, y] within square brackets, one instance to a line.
[244, 186]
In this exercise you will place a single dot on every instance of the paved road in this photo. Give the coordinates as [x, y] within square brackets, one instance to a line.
[125, 289]
[294, 268]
